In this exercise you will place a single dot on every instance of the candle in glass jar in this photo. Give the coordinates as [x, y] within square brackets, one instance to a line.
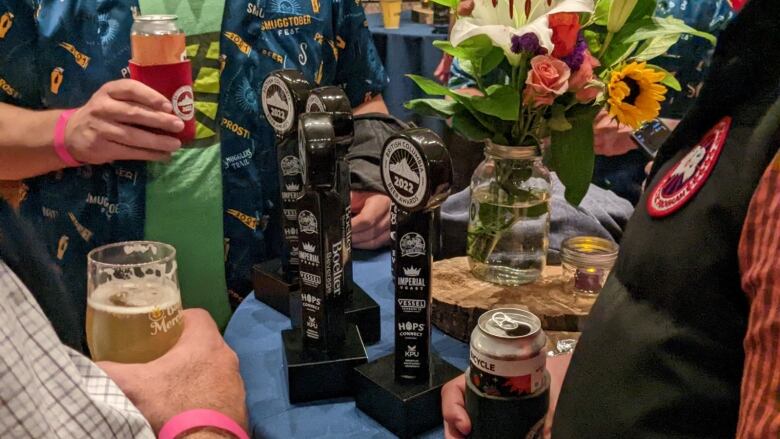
[587, 261]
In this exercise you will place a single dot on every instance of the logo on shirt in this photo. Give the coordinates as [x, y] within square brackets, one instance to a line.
[684, 180]
[290, 165]
[6, 22]
[249, 221]
[9, 90]
[239, 42]
[278, 104]
[55, 80]
[403, 172]
[81, 59]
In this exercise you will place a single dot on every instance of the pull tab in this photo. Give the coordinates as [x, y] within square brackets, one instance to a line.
[505, 322]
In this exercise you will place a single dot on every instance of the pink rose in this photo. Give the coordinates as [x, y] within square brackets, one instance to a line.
[580, 82]
[548, 79]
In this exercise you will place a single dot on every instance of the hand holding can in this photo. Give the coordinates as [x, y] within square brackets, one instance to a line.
[159, 60]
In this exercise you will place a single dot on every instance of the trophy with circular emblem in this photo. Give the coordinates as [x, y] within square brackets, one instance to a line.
[361, 309]
[402, 391]
[284, 95]
[320, 355]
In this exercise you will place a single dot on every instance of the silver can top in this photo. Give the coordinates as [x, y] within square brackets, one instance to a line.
[510, 323]
[156, 25]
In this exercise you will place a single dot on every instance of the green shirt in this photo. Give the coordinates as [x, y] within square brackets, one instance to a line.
[184, 197]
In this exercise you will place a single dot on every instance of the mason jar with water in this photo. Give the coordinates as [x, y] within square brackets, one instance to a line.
[509, 217]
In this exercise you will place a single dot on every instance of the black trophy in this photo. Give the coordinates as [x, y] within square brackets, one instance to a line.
[284, 93]
[361, 309]
[403, 391]
[321, 355]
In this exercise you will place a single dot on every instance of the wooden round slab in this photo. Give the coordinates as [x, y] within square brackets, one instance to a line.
[459, 299]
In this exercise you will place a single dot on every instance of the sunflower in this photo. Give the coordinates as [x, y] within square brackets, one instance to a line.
[635, 94]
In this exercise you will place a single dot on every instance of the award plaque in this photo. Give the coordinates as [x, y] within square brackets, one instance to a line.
[320, 356]
[361, 309]
[403, 391]
[284, 95]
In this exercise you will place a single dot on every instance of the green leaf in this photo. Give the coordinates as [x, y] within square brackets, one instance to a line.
[492, 60]
[502, 101]
[476, 47]
[619, 48]
[619, 11]
[571, 153]
[670, 80]
[601, 12]
[558, 120]
[469, 127]
[429, 86]
[662, 26]
[656, 47]
[452, 4]
[593, 39]
[434, 107]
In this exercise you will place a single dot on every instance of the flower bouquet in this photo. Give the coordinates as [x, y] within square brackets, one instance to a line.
[541, 71]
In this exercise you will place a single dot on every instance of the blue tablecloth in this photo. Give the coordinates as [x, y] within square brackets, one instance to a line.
[407, 50]
[254, 333]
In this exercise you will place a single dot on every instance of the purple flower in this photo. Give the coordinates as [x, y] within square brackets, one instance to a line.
[528, 43]
[577, 56]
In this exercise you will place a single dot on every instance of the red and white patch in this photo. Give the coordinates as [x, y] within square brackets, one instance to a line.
[685, 179]
[183, 101]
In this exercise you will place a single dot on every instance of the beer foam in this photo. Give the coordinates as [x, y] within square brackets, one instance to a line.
[134, 297]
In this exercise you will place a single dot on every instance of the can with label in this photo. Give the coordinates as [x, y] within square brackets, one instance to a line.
[159, 60]
[156, 40]
[507, 353]
[508, 389]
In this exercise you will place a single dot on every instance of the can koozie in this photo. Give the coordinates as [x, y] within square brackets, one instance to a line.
[174, 81]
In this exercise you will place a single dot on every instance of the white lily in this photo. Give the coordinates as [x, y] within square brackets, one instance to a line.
[495, 22]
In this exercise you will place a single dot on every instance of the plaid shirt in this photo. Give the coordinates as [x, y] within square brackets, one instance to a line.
[759, 260]
[48, 390]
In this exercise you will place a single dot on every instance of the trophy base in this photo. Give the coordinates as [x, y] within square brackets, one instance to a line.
[271, 289]
[363, 312]
[406, 409]
[314, 375]
[495, 416]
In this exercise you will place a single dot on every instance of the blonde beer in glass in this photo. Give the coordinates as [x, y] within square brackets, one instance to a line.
[133, 303]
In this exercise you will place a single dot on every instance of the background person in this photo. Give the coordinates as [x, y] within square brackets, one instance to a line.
[47, 387]
[689, 309]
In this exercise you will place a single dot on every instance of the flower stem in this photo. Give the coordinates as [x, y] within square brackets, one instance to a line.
[607, 41]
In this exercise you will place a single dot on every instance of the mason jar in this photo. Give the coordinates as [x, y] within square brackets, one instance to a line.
[509, 217]
[586, 263]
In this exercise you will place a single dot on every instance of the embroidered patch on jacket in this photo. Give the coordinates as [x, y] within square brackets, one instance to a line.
[684, 180]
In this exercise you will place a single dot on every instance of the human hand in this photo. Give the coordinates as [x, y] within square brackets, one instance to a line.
[442, 72]
[465, 8]
[371, 221]
[199, 372]
[117, 123]
[457, 424]
[611, 138]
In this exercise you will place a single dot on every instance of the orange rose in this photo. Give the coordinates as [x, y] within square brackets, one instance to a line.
[565, 27]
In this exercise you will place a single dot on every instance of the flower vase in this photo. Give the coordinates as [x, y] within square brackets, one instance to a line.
[509, 217]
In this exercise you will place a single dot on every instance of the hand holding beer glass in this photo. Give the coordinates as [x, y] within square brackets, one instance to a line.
[133, 302]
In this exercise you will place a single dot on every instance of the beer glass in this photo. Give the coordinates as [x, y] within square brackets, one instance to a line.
[133, 301]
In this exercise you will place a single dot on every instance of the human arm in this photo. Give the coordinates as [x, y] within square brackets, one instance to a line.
[457, 424]
[113, 125]
[759, 413]
[200, 371]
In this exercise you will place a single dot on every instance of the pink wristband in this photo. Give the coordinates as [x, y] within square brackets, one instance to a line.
[59, 139]
[200, 418]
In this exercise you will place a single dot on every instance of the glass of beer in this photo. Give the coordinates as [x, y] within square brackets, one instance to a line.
[133, 301]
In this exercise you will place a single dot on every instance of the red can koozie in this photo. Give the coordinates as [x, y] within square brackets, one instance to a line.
[174, 81]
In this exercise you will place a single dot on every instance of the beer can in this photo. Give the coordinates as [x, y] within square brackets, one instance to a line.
[159, 60]
[507, 353]
[157, 40]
